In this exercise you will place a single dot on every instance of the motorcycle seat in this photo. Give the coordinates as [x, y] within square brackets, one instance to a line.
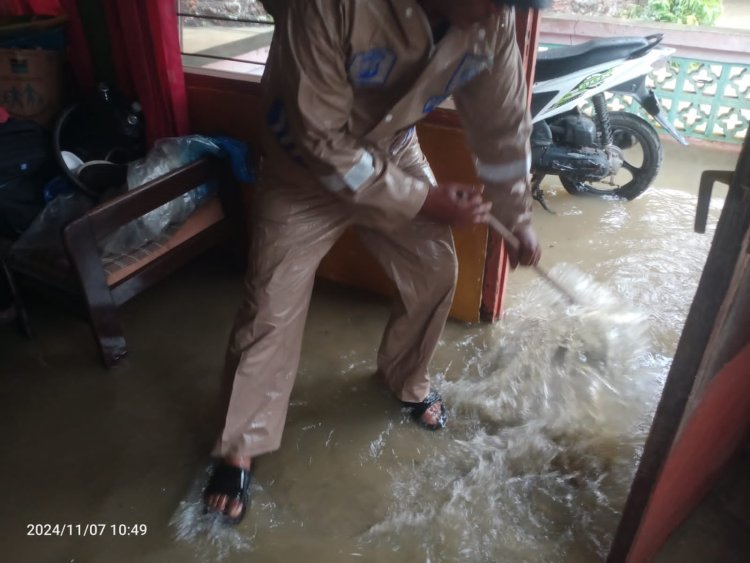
[566, 60]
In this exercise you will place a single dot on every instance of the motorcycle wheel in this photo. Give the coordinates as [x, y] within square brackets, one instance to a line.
[642, 156]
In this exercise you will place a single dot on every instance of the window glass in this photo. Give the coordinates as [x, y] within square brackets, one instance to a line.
[223, 35]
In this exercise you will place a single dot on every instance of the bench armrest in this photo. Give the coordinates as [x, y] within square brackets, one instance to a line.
[112, 214]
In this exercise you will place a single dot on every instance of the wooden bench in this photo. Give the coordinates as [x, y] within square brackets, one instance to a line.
[102, 283]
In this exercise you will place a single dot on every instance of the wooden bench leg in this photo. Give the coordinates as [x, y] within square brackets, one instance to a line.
[23, 317]
[84, 256]
[107, 328]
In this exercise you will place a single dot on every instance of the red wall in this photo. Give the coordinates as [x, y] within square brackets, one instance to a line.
[715, 431]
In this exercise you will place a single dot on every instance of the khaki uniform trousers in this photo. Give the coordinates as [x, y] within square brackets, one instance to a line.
[294, 227]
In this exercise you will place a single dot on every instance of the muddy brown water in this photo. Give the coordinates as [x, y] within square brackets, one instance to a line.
[549, 412]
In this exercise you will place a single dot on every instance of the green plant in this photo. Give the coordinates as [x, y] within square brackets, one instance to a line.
[690, 12]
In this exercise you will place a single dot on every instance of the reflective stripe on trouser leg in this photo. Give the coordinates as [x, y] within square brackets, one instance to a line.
[294, 229]
[421, 259]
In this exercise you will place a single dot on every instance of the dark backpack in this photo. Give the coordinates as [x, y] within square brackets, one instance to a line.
[24, 149]
[26, 165]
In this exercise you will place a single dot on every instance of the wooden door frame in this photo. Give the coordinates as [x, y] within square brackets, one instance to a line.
[710, 337]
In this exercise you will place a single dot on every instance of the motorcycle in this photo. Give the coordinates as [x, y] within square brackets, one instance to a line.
[616, 153]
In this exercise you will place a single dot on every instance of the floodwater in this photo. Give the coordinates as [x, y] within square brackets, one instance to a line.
[549, 411]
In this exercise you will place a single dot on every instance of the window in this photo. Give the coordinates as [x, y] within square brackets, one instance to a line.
[224, 35]
[230, 36]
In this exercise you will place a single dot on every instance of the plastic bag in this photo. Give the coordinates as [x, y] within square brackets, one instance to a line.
[43, 238]
[167, 155]
[43, 241]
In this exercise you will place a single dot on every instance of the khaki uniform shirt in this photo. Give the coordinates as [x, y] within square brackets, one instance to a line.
[347, 80]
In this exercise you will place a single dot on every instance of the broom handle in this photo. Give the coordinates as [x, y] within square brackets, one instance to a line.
[513, 241]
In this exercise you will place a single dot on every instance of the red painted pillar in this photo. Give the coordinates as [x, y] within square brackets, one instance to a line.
[496, 264]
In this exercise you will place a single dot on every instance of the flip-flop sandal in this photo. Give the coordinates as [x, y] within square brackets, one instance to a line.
[416, 410]
[232, 482]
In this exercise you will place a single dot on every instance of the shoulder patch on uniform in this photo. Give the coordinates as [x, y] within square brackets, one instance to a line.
[433, 102]
[371, 68]
[469, 67]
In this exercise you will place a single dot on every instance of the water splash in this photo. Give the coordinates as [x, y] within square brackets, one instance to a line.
[569, 368]
[547, 421]
[553, 406]
[212, 539]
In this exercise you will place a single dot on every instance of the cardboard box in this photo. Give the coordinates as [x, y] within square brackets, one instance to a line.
[31, 83]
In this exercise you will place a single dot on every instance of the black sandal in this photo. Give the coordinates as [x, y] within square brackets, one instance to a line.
[232, 482]
[416, 410]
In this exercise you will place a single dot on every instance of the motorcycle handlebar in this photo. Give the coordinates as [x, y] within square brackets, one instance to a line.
[652, 41]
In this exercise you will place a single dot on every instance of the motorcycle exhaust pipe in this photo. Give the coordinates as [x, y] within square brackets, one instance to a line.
[583, 163]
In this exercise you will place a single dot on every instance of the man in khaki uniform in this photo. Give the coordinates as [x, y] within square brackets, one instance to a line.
[345, 83]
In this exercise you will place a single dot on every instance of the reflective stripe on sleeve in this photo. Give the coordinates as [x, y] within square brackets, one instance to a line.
[501, 173]
[524, 218]
[333, 182]
[360, 172]
[519, 188]
[354, 178]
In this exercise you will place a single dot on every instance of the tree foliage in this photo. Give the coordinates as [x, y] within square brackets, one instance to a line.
[689, 12]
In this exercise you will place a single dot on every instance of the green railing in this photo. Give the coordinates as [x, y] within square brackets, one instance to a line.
[704, 99]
